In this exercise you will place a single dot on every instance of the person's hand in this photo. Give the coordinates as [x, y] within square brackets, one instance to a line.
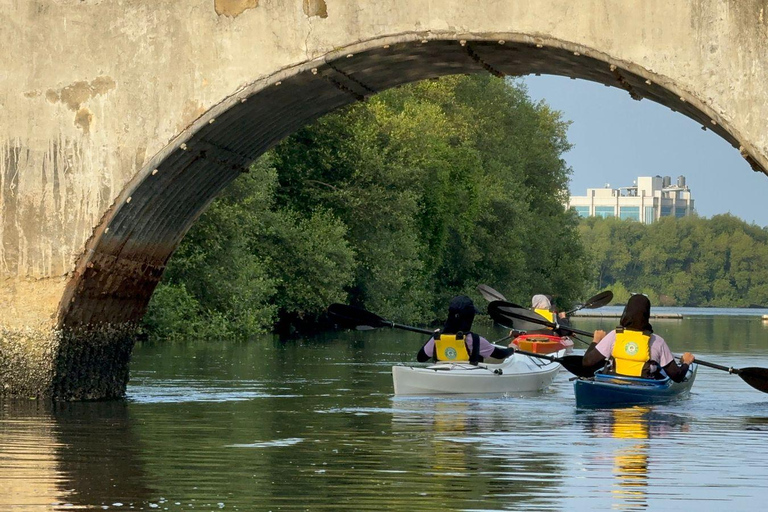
[599, 335]
[687, 358]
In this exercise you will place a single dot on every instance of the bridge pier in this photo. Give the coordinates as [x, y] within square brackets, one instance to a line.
[41, 357]
[81, 364]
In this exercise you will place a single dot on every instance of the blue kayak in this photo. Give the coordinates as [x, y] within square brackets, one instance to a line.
[605, 390]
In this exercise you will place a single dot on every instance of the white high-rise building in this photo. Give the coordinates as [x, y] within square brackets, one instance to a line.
[649, 199]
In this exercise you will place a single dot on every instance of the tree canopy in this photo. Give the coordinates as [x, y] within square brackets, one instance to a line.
[395, 204]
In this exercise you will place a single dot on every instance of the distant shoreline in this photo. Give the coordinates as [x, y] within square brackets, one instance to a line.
[675, 312]
[618, 315]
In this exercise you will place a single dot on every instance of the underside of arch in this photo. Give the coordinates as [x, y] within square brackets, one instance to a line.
[125, 258]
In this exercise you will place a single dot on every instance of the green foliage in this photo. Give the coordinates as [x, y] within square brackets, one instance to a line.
[444, 184]
[722, 261]
[247, 261]
[395, 204]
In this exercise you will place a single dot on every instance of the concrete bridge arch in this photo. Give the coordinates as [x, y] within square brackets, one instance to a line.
[122, 123]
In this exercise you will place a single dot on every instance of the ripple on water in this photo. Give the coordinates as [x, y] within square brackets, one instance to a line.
[268, 444]
[183, 390]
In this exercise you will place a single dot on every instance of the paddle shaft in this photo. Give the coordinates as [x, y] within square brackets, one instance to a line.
[572, 363]
[409, 328]
[728, 369]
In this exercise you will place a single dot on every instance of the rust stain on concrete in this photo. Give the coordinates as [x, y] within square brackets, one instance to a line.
[315, 8]
[233, 8]
[77, 93]
[83, 119]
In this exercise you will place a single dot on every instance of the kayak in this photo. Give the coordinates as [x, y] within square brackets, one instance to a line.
[542, 343]
[516, 374]
[605, 390]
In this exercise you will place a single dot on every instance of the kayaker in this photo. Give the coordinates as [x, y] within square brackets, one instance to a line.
[456, 342]
[542, 305]
[632, 349]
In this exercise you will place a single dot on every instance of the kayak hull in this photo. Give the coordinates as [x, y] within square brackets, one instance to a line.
[609, 391]
[516, 374]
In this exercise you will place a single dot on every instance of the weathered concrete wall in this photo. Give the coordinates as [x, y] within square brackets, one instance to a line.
[121, 121]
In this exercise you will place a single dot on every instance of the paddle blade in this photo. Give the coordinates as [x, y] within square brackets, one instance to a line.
[489, 293]
[350, 316]
[599, 300]
[755, 377]
[575, 365]
[509, 314]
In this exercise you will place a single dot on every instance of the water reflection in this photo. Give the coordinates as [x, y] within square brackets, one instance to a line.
[28, 445]
[466, 452]
[636, 426]
[65, 456]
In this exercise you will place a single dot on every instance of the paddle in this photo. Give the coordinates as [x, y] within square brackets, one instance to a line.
[598, 301]
[363, 320]
[489, 293]
[525, 320]
[502, 312]
[754, 376]
[572, 363]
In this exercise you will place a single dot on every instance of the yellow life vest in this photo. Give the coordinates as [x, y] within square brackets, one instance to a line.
[631, 353]
[451, 347]
[550, 316]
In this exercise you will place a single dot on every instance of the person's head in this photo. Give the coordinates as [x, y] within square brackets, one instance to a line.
[637, 314]
[540, 302]
[461, 314]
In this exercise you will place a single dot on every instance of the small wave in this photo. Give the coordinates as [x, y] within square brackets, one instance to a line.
[269, 444]
[185, 391]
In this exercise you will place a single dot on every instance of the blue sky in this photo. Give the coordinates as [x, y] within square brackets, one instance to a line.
[616, 139]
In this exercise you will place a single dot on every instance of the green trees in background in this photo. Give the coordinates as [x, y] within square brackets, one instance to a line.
[395, 204]
[691, 261]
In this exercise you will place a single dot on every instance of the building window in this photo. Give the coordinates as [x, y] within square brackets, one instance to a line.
[680, 211]
[629, 212]
[649, 217]
[583, 211]
[605, 211]
[666, 211]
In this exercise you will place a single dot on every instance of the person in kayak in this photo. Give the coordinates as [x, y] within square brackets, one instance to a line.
[632, 349]
[542, 306]
[456, 342]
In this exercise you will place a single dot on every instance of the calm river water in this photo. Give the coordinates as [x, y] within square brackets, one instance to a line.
[312, 424]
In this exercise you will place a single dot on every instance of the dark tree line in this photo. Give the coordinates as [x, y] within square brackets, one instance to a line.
[691, 261]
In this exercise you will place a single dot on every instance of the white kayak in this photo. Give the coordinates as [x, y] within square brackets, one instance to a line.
[516, 374]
